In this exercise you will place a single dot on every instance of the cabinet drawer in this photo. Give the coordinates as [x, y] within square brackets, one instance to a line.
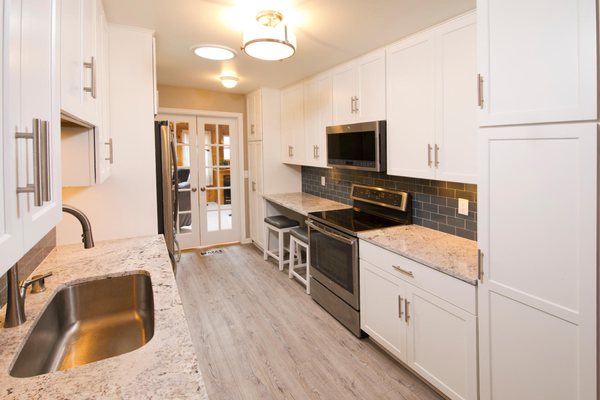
[451, 289]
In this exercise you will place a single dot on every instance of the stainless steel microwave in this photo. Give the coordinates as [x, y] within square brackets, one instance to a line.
[357, 146]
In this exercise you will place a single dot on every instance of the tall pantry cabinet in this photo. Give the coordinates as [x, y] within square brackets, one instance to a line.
[538, 199]
[266, 172]
[30, 185]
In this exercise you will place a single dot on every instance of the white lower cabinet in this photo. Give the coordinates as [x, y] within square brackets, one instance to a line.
[426, 319]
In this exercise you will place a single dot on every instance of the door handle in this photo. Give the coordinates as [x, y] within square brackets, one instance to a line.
[194, 190]
[203, 189]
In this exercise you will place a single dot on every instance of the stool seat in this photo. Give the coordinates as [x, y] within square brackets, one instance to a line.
[281, 221]
[300, 234]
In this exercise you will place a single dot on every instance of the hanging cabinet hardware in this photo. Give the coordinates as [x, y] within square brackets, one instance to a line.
[45, 158]
[110, 150]
[352, 104]
[480, 90]
[400, 313]
[429, 155]
[480, 265]
[92, 88]
[253, 186]
[317, 152]
[356, 104]
[406, 313]
[436, 155]
[403, 271]
[38, 169]
[252, 132]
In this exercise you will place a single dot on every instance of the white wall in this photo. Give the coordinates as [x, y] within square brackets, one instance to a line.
[125, 204]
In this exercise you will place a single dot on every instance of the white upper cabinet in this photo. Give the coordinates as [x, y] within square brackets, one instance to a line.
[432, 103]
[31, 122]
[254, 112]
[359, 89]
[537, 299]
[537, 61]
[79, 59]
[318, 114]
[292, 124]
[104, 152]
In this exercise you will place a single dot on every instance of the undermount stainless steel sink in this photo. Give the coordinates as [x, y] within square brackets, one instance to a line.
[87, 322]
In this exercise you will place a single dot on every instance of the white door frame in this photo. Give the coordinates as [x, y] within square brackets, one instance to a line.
[241, 207]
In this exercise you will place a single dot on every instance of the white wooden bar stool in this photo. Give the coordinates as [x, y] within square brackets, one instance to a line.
[281, 225]
[299, 241]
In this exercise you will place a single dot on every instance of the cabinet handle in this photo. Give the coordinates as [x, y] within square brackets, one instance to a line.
[92, 88]
[36, 188]
[400, 313]
[45, 158]
[291, 151]
[252, 129]
[480, 265]
[406, 313]
[317, 149]
[403, 271]
[480, 91]
[253, 186]
[110, 150]
[428, 155]
[352, 104]
[436, 154]
[356, 104]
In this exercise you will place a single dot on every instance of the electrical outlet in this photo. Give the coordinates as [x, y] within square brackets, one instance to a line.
[463, 206]
[322, 181]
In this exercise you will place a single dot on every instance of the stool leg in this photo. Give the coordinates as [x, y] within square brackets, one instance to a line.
[281, 253]
[292, 255]
[266, 243]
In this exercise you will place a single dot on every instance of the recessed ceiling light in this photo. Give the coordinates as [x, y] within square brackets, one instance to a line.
[229, 81]
[214, 52]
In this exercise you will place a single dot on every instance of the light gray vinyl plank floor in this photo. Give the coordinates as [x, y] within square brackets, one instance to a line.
[259, 336]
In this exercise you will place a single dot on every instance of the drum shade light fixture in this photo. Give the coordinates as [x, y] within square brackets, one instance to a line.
[269, 39]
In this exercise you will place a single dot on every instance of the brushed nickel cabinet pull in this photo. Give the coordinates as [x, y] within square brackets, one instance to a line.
[480, 90]
[36, 187]
[429, 155]
[92, 88]
[480, 265]
[436, 155]
[317, 148]
[253, 186]
[252, 129]
[403, 271]
[45, 157]
[406, 313]
[400, 313]
[110, 158]
[356, 109]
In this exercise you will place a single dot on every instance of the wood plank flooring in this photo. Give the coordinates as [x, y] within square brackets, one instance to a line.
[259, 336]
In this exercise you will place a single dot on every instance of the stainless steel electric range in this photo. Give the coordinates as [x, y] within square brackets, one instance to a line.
[334, 253]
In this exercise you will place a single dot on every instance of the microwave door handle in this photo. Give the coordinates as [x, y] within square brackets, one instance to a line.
[330, 234]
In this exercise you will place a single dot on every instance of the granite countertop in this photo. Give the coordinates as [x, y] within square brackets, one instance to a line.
[446, 253]
[304, 203]
[164, 368]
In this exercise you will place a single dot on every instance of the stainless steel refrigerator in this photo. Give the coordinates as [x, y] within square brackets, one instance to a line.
[167, 187]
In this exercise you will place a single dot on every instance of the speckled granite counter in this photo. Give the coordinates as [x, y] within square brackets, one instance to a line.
[449, 254]
[165, 368]
[304, 203]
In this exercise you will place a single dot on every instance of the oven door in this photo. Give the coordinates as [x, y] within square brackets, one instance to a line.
[334, 261]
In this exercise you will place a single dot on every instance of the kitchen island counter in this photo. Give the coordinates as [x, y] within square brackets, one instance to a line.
[164, 368]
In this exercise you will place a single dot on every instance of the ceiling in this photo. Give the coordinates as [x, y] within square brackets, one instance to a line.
[329, 32]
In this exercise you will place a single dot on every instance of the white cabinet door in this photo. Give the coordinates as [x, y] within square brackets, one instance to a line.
[254, 111]
[40, 98]
[318, 114]
[442, 343]
[79, 61]
[370, 88]
[537, 60]
[381, 308]
[344, 91]
[11, 228]
[292, 125]
[456, 131]
[538, 234]
[255, 178]
[411, 107]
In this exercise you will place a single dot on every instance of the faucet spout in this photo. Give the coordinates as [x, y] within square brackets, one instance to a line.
[87, 238]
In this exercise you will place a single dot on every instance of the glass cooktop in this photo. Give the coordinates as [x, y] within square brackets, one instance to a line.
[353, 220]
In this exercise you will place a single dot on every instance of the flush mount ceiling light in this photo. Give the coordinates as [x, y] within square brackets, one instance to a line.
[229, 81]
[214, 52]
[269, 39]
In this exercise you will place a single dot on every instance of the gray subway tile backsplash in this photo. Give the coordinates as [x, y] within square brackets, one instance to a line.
[434, 203]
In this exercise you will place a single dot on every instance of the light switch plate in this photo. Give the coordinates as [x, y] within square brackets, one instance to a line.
[463, 206]
[322, 181]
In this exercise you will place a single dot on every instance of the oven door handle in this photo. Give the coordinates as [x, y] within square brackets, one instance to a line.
[327, 232]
